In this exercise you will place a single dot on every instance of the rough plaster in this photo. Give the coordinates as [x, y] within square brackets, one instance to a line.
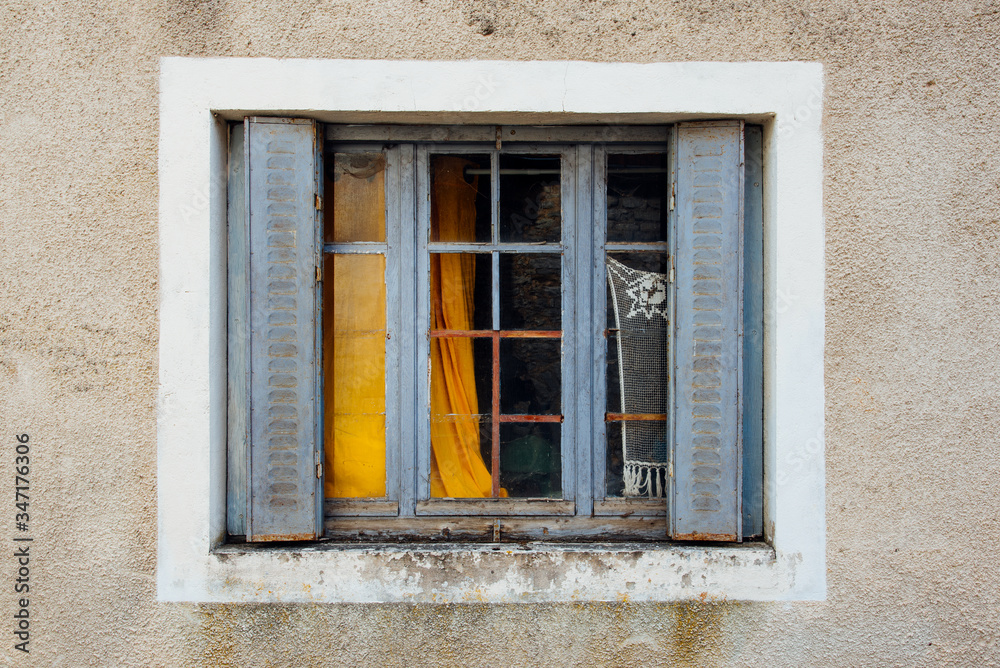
[911, 194]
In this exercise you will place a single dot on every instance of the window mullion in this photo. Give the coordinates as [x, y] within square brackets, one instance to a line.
[494, 464]
[598, 319]
[578, 449]
[417, 477]
[394, 455]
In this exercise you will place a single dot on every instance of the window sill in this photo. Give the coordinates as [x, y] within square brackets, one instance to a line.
[494, 573]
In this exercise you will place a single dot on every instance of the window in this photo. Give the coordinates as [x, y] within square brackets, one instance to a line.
[495, 333]
[198, 100]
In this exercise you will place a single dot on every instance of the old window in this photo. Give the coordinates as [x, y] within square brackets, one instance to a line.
[200, 98]
[495, 332]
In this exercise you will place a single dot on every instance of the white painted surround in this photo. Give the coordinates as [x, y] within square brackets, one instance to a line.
[198, 95]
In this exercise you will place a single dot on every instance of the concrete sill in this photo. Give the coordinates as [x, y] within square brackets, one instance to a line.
[497, 573]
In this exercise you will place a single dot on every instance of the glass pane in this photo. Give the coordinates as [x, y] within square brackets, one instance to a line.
[461, 376]
[530, 460]
[615, 466]
[461, 400]
[354, 375]
[355, 196]
[613, 375]
[460, 456]
[530, 198]
[530, 376]
[460, 198]
[637, 458]
[637, 197]
[461, 291]
[530, 291]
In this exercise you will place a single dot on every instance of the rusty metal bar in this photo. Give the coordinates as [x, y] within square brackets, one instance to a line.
[635, 417]
[531, 418]
[490, 333]
[529, 334]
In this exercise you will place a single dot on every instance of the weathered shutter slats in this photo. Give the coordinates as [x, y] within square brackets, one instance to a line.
[285, 491]
[707, 352]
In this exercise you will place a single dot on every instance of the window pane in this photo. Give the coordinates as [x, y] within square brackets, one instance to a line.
[530, 460]
[461, 291]
[614, 466]
[530, 376]
[461, 400]
[354, 375]
[530, 291]
[637, 458]
[460, 198]
[461, 376]
[530, 208]
[355, 184]
[460, 456]
[637, 197]
[637, 373]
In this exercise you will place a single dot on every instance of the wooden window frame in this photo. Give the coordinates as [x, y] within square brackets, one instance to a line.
[199, 96]
[585, 512]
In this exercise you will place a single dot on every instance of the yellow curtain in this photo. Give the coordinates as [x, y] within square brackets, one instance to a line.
[354, 332]
[354, 340]
[457, 467]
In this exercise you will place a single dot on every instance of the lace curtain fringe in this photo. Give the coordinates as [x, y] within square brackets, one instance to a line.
[645, 480]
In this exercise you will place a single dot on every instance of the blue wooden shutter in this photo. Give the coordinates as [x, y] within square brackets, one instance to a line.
[238, 360]
[707, 351]
[284, 483]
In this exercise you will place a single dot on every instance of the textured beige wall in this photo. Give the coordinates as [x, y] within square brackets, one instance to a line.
[912, 143]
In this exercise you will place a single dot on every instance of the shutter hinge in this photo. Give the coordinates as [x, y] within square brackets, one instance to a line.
[319, 202]
[319, 274]
[673, 191]
[319, 464]
[670, 469]
[670, 274]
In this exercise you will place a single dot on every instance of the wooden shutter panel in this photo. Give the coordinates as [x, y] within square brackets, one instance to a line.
[707, 351]
[285, 487]
[238, 360]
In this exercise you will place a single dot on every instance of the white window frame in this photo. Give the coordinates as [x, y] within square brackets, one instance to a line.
[198, 96]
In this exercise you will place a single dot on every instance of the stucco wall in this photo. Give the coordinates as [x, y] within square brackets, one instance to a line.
[911, 195]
